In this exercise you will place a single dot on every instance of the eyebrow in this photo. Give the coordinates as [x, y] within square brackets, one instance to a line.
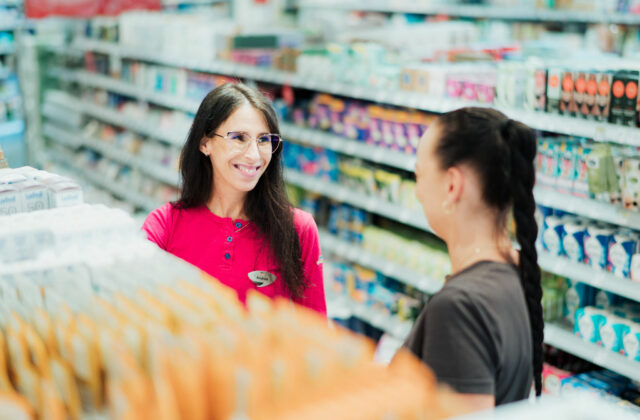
[246, 132]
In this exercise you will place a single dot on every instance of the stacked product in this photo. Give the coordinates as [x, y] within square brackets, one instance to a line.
[601, 246]
[98, 320]
[27, 189]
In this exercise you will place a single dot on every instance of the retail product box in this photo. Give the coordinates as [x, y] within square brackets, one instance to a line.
[64, 194]
[579, 92]
[567, 100]
[624, 98]
[602, 110]
[10, 199]
[587, 109]
[35, 196]
[554, 90]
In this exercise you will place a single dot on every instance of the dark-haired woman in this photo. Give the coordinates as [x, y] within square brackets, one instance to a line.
[482, 332]
[233, 219]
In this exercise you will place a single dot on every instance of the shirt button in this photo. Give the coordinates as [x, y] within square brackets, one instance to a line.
[238, 225]
[227, 256]
[229, 239]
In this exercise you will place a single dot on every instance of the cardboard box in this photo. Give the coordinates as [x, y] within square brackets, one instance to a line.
[10, 200]
[35, 196]
[64, 194]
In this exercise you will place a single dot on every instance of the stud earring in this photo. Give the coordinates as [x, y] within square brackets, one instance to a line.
[447, 207]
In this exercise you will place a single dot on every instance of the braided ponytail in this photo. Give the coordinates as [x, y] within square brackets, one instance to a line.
[502, 152]
[522, 143]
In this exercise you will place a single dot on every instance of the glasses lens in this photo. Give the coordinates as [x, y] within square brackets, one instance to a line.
[275, 141]
[238, 139]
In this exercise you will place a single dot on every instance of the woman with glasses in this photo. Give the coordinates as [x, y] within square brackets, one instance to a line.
[233, 219]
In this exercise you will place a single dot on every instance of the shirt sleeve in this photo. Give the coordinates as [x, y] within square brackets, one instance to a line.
[157, 225]
[314, 297]
[451, 340]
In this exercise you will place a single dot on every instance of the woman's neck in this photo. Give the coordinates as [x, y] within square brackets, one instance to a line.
[228, 205]
[477, 243]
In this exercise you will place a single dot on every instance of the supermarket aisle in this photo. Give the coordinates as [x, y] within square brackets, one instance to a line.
[108, 102]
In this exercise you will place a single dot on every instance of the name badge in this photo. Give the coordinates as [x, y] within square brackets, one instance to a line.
[262, 278]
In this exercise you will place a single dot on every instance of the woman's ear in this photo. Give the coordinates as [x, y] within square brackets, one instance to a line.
[455, 184]
[204, 146]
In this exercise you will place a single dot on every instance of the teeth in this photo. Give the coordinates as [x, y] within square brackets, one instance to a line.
[248, 171]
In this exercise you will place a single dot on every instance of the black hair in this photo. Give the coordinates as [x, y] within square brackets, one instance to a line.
[267, 205]
[502, 152]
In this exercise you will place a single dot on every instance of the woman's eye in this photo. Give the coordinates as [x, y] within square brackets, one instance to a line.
[236, 136]
[264, 139]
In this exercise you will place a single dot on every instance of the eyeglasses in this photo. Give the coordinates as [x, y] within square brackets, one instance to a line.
[240, 141]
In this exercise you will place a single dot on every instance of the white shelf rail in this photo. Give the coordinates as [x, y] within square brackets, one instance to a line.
[477, 11]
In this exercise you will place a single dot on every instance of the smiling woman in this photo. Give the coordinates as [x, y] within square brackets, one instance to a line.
[233, 219]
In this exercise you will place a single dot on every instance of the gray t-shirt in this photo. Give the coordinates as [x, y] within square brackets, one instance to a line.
[475, 333]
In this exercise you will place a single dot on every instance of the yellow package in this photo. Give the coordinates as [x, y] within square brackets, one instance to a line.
[188, 380]
[165, 396]
[44, 327]
[17, 347]
[51, 405]
[5, 383]
[86, 365]
[62, 376]
[37, 351]
[155, 309]
[28, 382]
[15, 407]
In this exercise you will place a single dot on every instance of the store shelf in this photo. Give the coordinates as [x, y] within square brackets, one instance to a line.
[588, 208]
[564, 339]
[141, 126]
[475, 11]
[599, 131]
[391, 325]
[147, 203]
[71, 139]
[585, 274]
[354, 253]
[346, 195]
[348, 146]
[86, 78]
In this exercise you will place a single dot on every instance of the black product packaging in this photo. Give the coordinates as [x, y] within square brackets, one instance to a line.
[624, 97]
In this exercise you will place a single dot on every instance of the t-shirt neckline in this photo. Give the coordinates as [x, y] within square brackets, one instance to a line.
[474, 265]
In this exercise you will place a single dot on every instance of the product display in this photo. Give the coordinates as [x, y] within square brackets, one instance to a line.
[95, 321]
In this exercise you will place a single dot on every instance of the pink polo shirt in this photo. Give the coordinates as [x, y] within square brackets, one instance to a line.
[231, 249]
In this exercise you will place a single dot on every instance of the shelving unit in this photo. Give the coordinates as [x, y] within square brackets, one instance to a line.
[562, 338]
[599, 131]
[356, 254]
[119, 190]
[475, 11]
[555, 335]
[68, 138]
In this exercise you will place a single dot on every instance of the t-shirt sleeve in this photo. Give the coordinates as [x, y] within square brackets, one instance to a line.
[314, 297]
[451, 340]
[157, 225]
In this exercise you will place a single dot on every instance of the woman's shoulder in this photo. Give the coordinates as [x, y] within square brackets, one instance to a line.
[303, 220]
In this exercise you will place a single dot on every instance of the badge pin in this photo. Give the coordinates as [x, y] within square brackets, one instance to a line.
[262, 278]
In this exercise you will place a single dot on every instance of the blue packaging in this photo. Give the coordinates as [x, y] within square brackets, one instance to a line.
[589, 321]
[622, 248]
[552, 235]
[596, 246]
[612, 333]
[334, 218]
[631, 343]
[574, 231]
[578, 295]
[344, 222]
[359, 219]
